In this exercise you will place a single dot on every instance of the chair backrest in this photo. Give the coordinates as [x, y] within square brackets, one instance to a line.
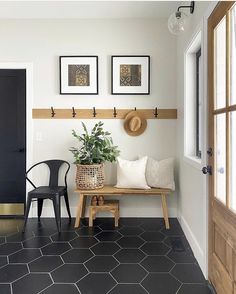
[54, 166]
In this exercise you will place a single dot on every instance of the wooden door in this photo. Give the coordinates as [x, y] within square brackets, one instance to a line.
[222, 140]
[12, 141]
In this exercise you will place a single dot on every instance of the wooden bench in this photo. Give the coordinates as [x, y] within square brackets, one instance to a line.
[110, 191]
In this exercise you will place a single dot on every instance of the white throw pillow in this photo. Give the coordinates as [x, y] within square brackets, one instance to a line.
[131, 174]
[160, 174]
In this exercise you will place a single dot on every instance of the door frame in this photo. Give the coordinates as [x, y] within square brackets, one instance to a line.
[29, 106]
[210, 135]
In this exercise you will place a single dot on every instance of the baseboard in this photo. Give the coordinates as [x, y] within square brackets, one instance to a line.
[197, 250]
[152, 212]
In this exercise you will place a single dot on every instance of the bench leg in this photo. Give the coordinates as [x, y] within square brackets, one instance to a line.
[84, 206]
[91, 216]
[165, 211]
[79, 210]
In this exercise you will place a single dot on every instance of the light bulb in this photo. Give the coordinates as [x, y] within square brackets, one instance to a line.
[176, 22]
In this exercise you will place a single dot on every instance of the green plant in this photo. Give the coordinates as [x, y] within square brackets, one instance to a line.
[97, 147]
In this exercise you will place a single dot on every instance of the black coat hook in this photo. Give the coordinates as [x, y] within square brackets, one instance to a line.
[114, 112]
[73, 112]
[94, 112]
[52, 112]
[155, 112]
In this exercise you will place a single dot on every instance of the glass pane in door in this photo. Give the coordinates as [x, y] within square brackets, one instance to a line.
[220, 158]
[220, 64]
[233, 55]
[233, 161]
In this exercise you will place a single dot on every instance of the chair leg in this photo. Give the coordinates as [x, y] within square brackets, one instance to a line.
[67, 205]
[40, 206]
[28, 204]
[57, 210]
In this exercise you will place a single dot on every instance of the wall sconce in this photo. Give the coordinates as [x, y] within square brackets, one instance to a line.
[176, 21]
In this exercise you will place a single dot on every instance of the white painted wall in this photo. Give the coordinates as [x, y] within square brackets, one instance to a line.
[40, 42]
[193, 198]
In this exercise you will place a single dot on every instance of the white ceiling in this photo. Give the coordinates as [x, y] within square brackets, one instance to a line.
[86, 9]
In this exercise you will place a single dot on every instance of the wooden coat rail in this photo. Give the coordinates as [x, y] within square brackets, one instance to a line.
[94, 113]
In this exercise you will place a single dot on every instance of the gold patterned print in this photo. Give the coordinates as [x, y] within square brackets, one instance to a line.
[79, 75]
[130, 75]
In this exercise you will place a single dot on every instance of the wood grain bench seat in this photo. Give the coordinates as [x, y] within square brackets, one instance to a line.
[111, 190]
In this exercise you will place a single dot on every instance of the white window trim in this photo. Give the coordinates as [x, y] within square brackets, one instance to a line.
[194, 161]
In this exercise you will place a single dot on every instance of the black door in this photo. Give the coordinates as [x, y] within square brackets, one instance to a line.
[12, 137]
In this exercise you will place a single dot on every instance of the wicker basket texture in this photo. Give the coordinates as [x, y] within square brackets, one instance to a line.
[90, 176]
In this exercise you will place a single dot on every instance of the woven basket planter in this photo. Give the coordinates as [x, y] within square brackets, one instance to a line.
[90, 176]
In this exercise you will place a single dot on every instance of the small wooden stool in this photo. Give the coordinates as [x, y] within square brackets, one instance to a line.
[109, 205]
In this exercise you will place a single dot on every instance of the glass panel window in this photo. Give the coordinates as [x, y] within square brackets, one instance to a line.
[233, 161]
[233, 55]
[198, 104]
[220, 64]
[220, 156]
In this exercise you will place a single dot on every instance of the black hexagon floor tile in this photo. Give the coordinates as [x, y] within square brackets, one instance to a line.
[129, 273]
[11, 272]
[69, 273]
[45, 264]
[83, 242]
[129, 255]
[56, 248]
[160, 283]
[24, 255]
[36, 242]
[87, 231]
[108, 236]
[153, 236]
[101, 264]
[155, 248]
[3, 261]
[64, 236]
[5, 288]
[61, 289]
[152, 224]
[157, 264]
[109, 226]
[90, 256]
[45, 231]
[174, 242]
[194, 289]
[131, 221]
[19, 237]
[175, 230]
[188, 273]
[130, 242]
[31, 284]
[9, 248]
[105, 248]
[128, 288]
[77, 255]
[130, 231]
[96, 283]
[182, 257]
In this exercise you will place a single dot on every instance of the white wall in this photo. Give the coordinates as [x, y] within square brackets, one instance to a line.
[43, 41]
[192, 201]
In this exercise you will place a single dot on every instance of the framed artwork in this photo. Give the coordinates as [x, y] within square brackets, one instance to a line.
[130, 75]
[79, 75]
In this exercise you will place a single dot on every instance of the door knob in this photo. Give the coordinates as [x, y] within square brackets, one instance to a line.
[207, 170]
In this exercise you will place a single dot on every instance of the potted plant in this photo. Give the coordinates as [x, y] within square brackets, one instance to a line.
[95, 149]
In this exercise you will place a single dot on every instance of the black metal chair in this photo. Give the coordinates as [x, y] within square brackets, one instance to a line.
[52, 191]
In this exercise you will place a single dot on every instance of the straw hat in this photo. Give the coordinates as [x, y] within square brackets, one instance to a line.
[135, 124]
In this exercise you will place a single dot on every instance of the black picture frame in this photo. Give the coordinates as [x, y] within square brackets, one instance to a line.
[142, 89]
[89, 61]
